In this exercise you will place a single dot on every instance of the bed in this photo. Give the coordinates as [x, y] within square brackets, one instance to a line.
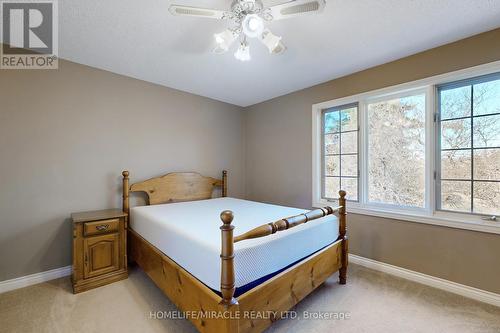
[185, 242]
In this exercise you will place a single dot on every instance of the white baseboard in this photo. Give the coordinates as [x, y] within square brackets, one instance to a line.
[453, 287]
[28, 280]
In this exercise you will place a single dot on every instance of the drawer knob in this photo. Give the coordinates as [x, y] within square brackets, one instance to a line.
[102, 227]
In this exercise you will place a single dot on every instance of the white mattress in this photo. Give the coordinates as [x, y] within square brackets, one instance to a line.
[189, 234]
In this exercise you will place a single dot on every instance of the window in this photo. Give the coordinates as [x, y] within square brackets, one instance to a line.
[396, 150]
[468, 179]
[340, 151]
[425, 151]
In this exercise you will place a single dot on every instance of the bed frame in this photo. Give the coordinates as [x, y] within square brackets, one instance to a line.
[256, 309]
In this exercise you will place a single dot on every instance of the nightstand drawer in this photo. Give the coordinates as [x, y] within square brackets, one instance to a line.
[100, 227]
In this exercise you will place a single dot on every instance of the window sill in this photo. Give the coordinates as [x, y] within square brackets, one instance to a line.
[451, 220]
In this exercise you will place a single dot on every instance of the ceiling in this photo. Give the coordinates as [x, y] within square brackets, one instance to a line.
[141, 39]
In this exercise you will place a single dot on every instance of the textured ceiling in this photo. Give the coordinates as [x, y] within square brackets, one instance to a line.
[142, 40]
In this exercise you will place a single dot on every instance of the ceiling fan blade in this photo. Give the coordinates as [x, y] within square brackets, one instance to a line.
[199, 12]
[296, 8]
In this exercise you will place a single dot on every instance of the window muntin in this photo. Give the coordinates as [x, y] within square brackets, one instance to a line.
[468, 178]
[340, 151]
[396, 160]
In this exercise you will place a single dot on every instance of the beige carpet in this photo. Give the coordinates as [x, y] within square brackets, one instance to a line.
[375, 302]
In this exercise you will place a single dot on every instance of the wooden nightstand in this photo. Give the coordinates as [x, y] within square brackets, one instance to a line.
[99, 248]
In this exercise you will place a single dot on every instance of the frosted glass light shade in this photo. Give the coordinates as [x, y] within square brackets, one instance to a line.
[243, 52]
[272, 42]
[224, 40]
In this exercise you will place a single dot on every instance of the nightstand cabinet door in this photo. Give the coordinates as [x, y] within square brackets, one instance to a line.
[101, 254]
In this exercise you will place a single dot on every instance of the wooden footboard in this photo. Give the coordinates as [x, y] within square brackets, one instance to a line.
[227, 253]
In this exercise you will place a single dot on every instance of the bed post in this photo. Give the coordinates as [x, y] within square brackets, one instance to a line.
[224, 183]
[227, 259]
[343, 236]
[125, 191]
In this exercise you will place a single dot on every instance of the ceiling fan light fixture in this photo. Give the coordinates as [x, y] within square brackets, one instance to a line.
[248, 19]
[224, 40]
[243, 52]
[252, 25]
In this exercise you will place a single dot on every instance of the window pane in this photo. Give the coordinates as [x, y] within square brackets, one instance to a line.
[487, 164]
[456, 195]
[350, 185]
[332, 144]
[349, 165]
[456, 164]
[341, 137]
[456, 103]
[332, 167]
[487, 198]
[332, 122]
[349, 142]
[487, 131]
[456, 134]
[332, 187]
[396, 157]
[349, 119]
[487, 98]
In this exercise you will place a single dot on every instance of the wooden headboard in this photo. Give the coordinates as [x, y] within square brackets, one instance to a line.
[174, 187]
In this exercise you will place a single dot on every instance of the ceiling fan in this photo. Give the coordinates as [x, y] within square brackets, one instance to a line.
[248, 18]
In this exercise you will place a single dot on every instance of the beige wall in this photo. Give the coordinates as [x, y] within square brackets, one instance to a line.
[278, 168]
[65, 137]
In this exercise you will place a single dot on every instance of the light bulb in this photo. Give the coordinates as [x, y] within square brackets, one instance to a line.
[218, 39]
[243, 52]
[252, 25]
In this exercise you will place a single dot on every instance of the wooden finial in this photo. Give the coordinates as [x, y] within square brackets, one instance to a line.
[227, 283]
[227, 217]
[126, 189]
[342, 213]
[224, 183]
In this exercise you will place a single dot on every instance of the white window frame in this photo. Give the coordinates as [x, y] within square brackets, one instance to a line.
[322, 159]
[467, 82]
[428, 104]
[428, 214]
